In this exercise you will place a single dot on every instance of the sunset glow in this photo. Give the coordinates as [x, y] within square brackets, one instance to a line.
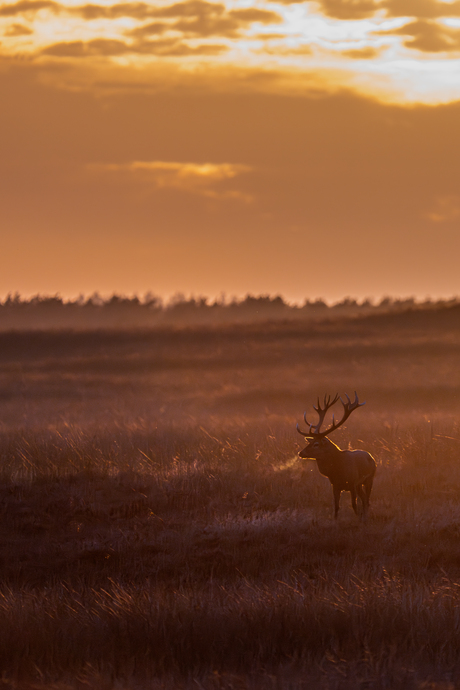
[218, 125]
[396, 50]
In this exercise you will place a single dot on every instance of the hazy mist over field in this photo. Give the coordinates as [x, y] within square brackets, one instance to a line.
[150, 311]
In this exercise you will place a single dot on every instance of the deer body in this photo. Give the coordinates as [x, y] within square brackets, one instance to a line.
[347, 470]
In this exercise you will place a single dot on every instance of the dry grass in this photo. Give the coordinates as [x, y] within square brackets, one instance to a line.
[157, 530]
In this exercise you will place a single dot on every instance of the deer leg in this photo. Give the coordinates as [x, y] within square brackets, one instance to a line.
[368, 487]
[353, 499]
[364, 499]
[337, 493]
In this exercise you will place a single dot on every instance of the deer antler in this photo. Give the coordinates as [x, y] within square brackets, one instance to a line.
[321, 411]
[348, 408]
[314, 428]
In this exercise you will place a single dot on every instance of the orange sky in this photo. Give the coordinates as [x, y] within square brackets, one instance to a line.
[310, 149]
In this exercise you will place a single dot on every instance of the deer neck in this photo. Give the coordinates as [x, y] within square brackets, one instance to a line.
[327, 463]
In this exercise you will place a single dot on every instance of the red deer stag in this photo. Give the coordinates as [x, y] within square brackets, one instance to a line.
[347, 470]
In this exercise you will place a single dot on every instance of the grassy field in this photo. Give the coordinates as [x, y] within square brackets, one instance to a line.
[158, 531]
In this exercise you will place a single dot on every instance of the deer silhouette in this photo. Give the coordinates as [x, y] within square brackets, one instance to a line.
[347, 470]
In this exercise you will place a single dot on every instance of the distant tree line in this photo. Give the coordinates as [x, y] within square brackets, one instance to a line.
[117, 311]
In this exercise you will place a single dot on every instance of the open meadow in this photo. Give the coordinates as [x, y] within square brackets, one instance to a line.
[158, 530]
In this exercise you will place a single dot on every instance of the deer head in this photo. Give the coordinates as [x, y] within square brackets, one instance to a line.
[318, 443]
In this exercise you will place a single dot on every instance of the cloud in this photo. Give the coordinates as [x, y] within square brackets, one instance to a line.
[290, 2]
[194, 17]
[96, 47]
[229, 25]
[102, 47]
[18, 30]
[171, 44]
[137, 10]
[153, 29]
[427, 36]
[193, 9]
[28, 6]
[282, 50]
[422, 9]
[361, 53]
[250, 15]
[190, 8]
[206, 26]
[363, 9]
[142, 10]
[195, 178]
[447, 208]
[177, 49]
[270, 37]
[349, 9]
[200, 17]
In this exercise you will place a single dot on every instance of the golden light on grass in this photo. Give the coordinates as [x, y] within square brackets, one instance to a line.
[159, 530]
